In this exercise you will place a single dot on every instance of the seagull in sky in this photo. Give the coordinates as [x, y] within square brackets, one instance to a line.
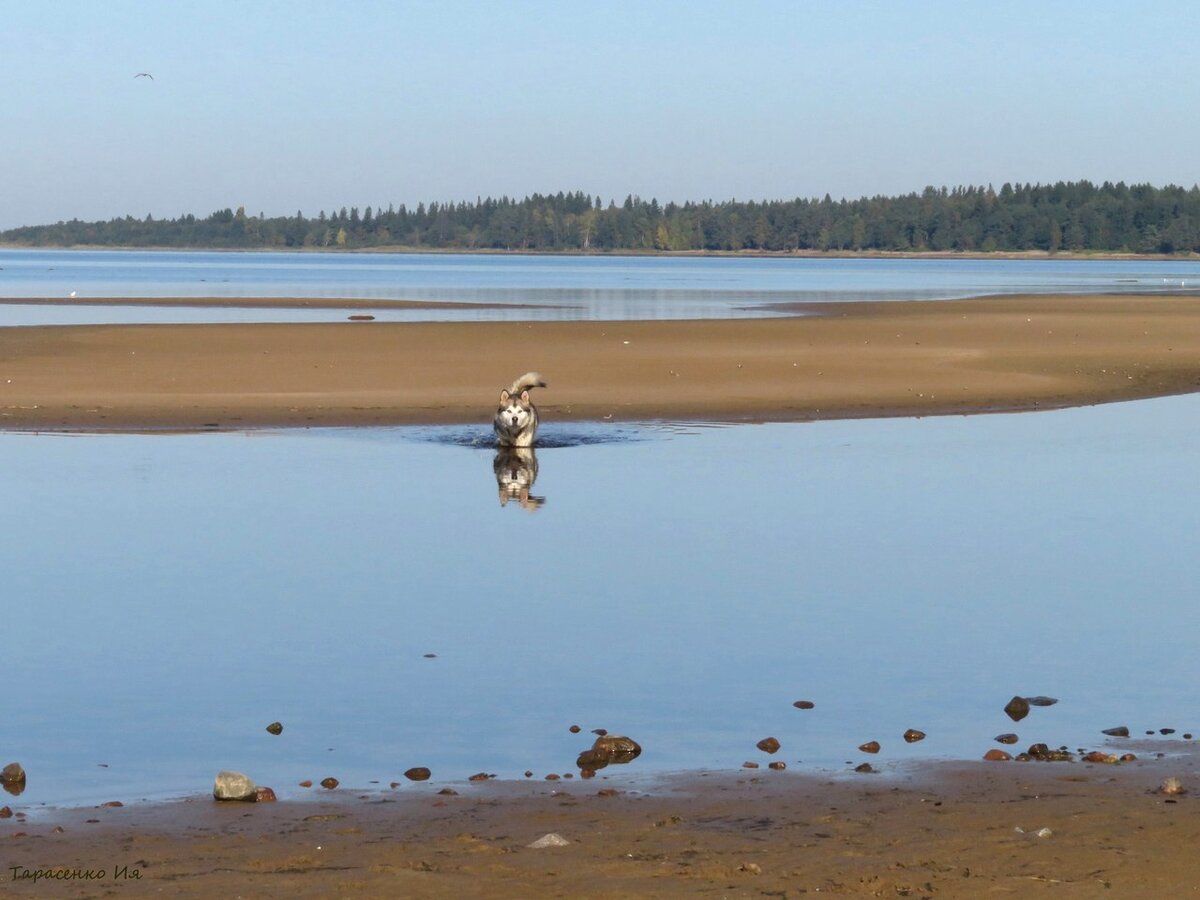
[144, 75]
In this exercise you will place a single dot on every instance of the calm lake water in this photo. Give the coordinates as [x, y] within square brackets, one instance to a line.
[169, 596]
[533, 287]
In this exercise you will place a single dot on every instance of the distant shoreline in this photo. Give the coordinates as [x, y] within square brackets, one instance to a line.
[1025, 255]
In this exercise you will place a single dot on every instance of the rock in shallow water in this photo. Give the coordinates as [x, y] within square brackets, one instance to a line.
[418, 773]
[1119, 731]
[768, 745]
[234, 786]
[997, 755]
[329, 783]
[275, 728]
[1008, 738]
[265, 795]
[913, 735]
[12, 774]
[869, 747]
[1017, 708]
[804, 704]
[609, 749]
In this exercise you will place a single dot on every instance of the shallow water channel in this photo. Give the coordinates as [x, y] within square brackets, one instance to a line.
[168, 596]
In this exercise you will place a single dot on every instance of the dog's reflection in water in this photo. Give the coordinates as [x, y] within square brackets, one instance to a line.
[516, 470]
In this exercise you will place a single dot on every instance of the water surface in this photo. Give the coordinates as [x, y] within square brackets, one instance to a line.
[169, 596]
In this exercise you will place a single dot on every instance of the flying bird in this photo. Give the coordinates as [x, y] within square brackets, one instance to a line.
[144, 75]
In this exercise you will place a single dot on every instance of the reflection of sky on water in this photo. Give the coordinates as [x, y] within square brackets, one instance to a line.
[556, 287]
[169, 596]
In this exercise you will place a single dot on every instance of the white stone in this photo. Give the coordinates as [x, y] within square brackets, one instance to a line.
[234, 786]
[550, 840]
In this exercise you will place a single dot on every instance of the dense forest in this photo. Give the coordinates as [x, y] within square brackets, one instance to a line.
[1076, 216]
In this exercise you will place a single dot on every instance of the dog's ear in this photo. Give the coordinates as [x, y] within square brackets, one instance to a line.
[504, 395]
[525, 397]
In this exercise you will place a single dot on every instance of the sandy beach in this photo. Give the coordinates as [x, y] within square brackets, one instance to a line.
[836, 361]
[935, 830]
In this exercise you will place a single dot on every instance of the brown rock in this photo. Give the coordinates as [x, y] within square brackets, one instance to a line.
[1098, 756]
[275, 728]
[749, 765]
[448, 792]
[609, 749]
[1017, 708]
[1128, 757]
[768, 745]
[5, 812]
[393, 785]
[552, 777]
[1045, 754]
[864, 767]
[361, 318]
[479, 776]
[1166, 731]
[1119, 731]
[574, 729]
[804, 704]
[600, 731]
[528, 774]
[113, 804]
[997, 755]
[265, 795]
[779, 765]
[329, 783]
[418, 773]
[1008, 738]
[1172, 786]
[587, 773]
[607, 792]
[307, 782]
[912, 736]
[12, 774]
[869, 747]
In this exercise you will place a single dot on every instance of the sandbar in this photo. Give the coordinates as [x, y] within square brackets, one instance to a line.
[836, 361]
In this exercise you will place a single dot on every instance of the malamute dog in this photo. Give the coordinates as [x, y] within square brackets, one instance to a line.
[516, 420]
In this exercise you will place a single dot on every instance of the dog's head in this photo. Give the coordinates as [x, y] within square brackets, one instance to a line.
[515, 413]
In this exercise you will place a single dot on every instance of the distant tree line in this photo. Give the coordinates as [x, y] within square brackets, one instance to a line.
[1070, 216]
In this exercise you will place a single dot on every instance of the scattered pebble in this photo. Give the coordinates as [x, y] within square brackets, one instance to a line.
[1187, 736]
[600, 731]
[768, 745]
[1172, 786]
[1008, 738]
[1099, 756]
[361, 318]
[528, 774]
[448, 792]
[430, 656]
[275, 728]
[394, 784]
[1128, 757]
[307, 782]
[329, 783]
[865, 767]
[265, 795]
[552, 777]
[997, 755]
[12, 774]
[1045, 754]
[778, 765]
[418, 773]
[5, 812]
[804, 704]
[233, 786]
[869, 747]
[549, 840]
[1119, 731]
[749, 764]
[587, 773]
[1166, 731]
[480, 776]
[574, 729]
[113, 804]
[1041, 701]
[913, 735]
[1017, 708]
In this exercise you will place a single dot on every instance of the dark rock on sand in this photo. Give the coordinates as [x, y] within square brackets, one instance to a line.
[234, 786]
[804, 704]
[329, 783]
[869, 747]
[913, 735]
[275, 728]
[768, 745]
[997, 755]
[1045, 754]
[1017, 708]
[418, 773]
[1007, 738]
[1119, 731]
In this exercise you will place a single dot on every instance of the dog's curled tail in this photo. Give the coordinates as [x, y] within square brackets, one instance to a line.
[526, 382]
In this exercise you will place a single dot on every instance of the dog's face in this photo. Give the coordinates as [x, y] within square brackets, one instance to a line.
[515, 413]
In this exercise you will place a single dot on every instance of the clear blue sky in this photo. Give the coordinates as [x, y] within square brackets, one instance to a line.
[303, 105]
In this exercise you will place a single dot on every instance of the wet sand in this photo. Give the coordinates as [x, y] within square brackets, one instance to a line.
[939, 830]
[861, 360]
